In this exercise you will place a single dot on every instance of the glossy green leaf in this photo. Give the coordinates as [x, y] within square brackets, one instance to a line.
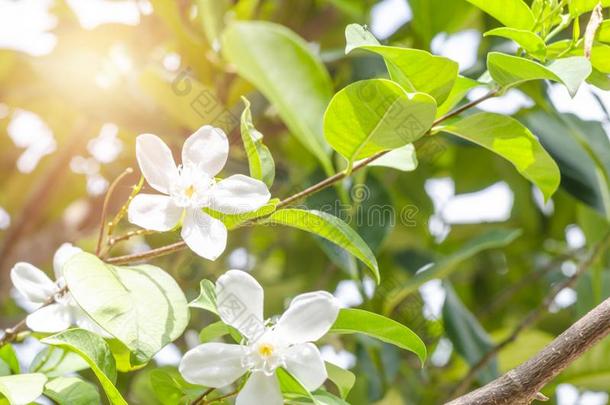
[511, 13]
[374, 115]
[207, 297]
[280, 64]
[461, 87]
[603, 32]
[233, 221]
[343, 379]
[94, 350]
[379, 327]
[467, 335]
[292, 386]
[446, 266]
[578, 7]
[328, 227]
[415, 70]
[260, 160]
[122, 299]
[530, 42]
[509, 139]
[22, 388]
[9, 357]
[55, 362]
[72, 391]
[403, 159]
[508, 70]
[171, 388]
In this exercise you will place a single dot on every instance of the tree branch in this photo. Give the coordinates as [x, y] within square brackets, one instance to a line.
[522, 384]
[534, 315]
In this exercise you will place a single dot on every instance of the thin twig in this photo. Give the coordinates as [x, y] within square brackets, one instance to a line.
[532, 317]
[201, 398]
[109, 193]
[175, 247]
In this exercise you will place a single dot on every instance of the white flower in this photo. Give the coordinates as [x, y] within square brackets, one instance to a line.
[190, 187]
[36, 287]
[266, 346]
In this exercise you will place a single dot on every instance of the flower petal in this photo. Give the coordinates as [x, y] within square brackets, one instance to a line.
[32, 282]
[52, 318]
[304, 362]
[154, 211]
[156, 162]
[239, 298]
[260, 389]
[213, 364]
[238, 194]
[205, 235]
[207, 148]
[308, 317]
[62, 255]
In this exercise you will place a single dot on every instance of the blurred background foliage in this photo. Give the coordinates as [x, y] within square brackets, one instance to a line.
[77, 89]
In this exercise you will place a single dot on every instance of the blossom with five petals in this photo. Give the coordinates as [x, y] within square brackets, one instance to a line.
[190, 187]
[36, 287]
[287, 343]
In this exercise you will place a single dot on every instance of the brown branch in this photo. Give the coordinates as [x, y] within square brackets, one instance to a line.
[522, 384]
[109, 193]
[533, 316]
[175, 247]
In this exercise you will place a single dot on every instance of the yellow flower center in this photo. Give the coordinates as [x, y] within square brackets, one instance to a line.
[190, 190]
[265, 350]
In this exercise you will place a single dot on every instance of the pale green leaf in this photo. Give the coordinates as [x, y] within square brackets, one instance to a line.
[212, 16]
[233, 221]
[370, 116]
[530, 42]
[603, 32]
[328, 227]
[445, 267]
[260, 160]
[207, 297]
[469, 338]
[171, 388]
[414, 69]
[55, 361]
[280, 64]
[379, 327]
[578, 7]
[72, 391]
[343, 379]
[508, 70]
[509, 139]
[461, 87]
[9, 357]
[22, 389]
[511, 13]
[292, 386]
[403, 159]
[122, 299]
[94, 350]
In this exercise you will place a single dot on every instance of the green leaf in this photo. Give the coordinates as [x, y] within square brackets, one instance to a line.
[461, 87]
[370, 116]
[212, 16]
[125, 362]
[326, 398]
[22, 388]
[72, 391]
[292, 386]
[55, 362]
[415, 70]
[233, 221]
[403, 159]
[532, 43]
[603, 32]
[379, 327]
[213, 332]
[260, 160]
[207, 297]
[95, 351]
[343, 379]
[170, 388]
[508, 70]
[122, 299]
[329, 227]
[445, 267]
[511, 13]
[509, 139]
[8, 355]
[578, 7]
[280, 64]
[467, 335]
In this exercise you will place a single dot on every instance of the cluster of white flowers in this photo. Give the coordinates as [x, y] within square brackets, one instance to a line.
[186, 190]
